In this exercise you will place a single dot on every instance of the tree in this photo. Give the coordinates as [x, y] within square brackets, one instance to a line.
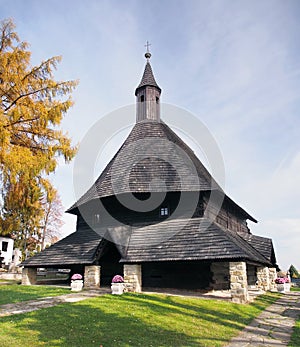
[32, 107]
[52, 222]
[293, 272]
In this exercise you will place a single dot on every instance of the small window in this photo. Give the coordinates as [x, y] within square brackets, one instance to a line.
[164, 211]
[157, 99]
[142, 98]
[4, 246]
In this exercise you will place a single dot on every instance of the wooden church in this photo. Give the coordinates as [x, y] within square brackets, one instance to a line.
[156, 216]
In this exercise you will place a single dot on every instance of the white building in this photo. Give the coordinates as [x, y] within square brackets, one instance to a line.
[6, 248]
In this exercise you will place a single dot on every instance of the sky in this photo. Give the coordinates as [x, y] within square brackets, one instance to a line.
[233, 64]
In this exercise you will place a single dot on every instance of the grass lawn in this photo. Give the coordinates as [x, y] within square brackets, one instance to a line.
[295, 289]
[295, 339]
[132, 320]
[12, 293]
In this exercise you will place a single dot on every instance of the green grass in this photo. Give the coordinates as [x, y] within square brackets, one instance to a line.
[132, 320]
[295, 289]
[13, 293]
[295, 338]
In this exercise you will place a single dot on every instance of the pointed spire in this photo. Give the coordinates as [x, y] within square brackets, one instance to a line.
[148, 77]
[148, 94]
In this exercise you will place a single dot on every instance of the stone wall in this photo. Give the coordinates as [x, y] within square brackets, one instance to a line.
[92, 277]
[133, 277]
[238, 282]
[263, 278]
[29, 276]
[220, 276]
[272, 277]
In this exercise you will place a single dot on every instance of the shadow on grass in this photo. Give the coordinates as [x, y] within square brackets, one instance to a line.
[129, 320]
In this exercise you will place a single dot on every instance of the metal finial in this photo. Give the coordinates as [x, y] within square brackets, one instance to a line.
[147, 54]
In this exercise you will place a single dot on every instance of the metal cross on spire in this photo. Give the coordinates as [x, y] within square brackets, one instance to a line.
[148, 54]
[147, 45]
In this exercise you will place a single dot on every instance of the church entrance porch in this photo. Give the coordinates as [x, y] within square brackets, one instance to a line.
[177, 274]
[110, 264]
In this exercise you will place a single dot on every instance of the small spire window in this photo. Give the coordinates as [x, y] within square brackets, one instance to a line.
[157, 99]
[142, 98]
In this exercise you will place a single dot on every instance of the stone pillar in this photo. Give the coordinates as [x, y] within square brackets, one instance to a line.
[92, 277]
[272, 277]
[29, 276]
[133, 277]
[263, 278]
[238, 282]
[220, 276]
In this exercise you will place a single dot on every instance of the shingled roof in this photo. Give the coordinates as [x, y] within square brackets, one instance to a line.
[79, 247]
[153, 153]
[170, 240]
[263, 244]
[195, 239]
[157, 154]
[147, 79]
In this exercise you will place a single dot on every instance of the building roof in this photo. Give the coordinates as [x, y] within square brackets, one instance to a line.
[149, 149]
[170, 240]
[147, 79]
[263, 244]
[153, 159]
[195, 239]
[79, 247]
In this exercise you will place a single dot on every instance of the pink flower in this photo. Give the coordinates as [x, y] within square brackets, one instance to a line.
[117, 279]
[76, 277]
[282, 280]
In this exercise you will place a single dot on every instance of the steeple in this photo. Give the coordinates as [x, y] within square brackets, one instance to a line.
[148, 95]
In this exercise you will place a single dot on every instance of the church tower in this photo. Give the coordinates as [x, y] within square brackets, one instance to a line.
[148, 95]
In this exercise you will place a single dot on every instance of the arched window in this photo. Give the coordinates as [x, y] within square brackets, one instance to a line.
[142, 98]
[157, 99]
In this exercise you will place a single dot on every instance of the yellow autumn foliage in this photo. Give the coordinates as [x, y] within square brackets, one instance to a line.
[33, 105]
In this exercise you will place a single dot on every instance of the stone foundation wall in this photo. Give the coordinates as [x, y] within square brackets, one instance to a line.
[263, 278]
[133, 277]
[29, 276]
[272, 277]
[238, 282]
[92, 277]
[220, 277]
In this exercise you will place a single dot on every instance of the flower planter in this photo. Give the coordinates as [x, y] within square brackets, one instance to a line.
[117, 288]
[76, 285]
[283, 287]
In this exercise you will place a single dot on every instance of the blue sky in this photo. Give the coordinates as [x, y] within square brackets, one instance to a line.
[233, 64]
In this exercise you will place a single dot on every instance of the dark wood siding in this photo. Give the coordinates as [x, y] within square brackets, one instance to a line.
[111, 206]
[225, 216]
[181, 274]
